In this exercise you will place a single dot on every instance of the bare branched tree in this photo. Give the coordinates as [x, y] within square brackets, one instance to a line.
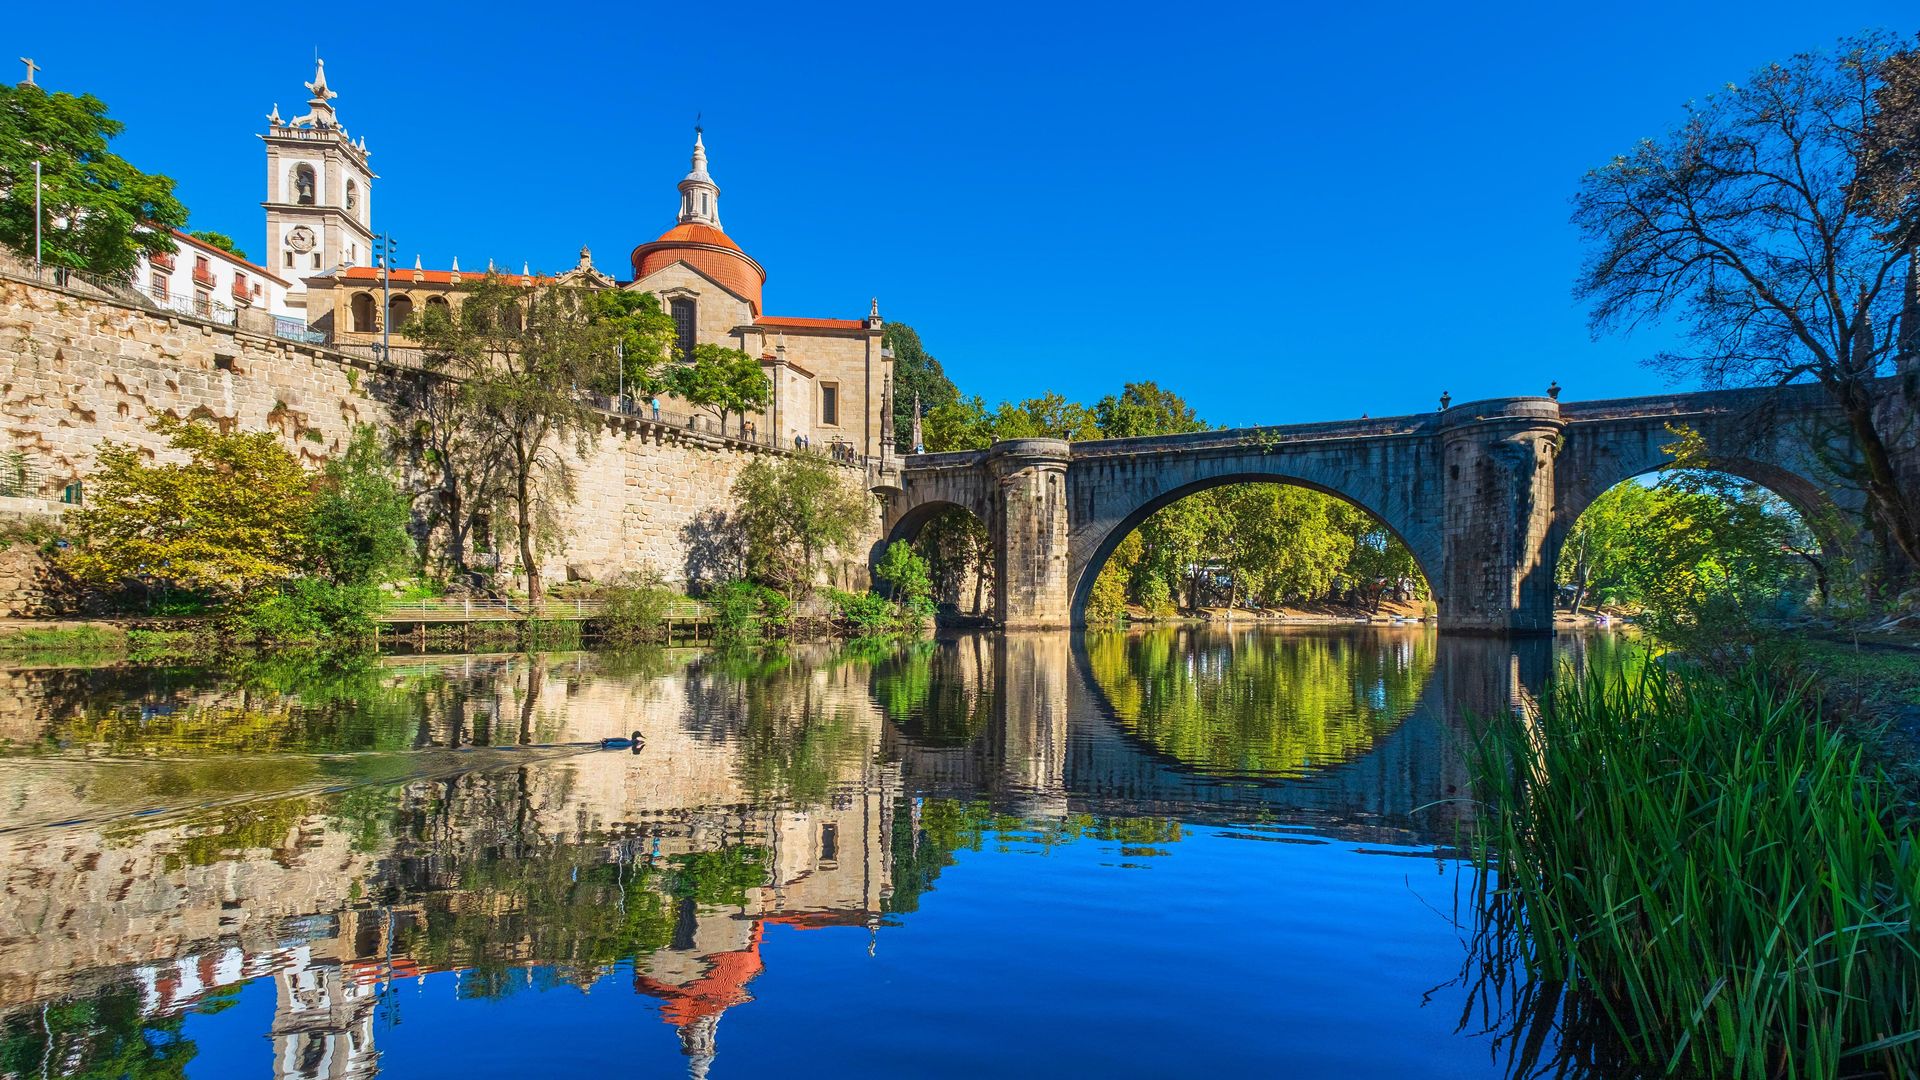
[1778, 224]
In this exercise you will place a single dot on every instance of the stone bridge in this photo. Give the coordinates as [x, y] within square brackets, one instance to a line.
[1482, 493]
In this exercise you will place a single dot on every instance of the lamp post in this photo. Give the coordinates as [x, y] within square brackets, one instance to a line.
[384, 246]
[36, 219]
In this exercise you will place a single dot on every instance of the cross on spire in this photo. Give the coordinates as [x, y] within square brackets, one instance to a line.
[31, 68]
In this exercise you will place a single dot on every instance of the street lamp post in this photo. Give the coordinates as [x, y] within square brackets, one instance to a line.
[385, 246]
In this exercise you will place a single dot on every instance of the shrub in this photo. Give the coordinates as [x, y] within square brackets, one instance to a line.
[311, 610]
[636, 607]
[743, 611]
[904, 572]
[868, 614]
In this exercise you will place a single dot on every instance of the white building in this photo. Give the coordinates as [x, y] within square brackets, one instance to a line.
[202, 280]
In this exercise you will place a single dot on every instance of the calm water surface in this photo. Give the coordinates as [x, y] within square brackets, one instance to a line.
[1188, 852]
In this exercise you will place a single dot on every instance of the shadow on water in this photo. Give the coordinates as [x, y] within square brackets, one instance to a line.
[328, 843]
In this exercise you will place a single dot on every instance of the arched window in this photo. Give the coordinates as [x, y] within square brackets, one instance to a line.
[303, 185]
[438, 303]
[353, 196]
[683, 327]
[363, 308]
[399, 310]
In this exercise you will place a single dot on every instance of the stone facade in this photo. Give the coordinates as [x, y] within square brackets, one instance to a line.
[75, 371]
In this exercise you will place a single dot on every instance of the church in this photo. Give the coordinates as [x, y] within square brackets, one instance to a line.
[831, 377]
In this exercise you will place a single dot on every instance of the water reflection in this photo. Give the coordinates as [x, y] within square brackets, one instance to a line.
[335, 849]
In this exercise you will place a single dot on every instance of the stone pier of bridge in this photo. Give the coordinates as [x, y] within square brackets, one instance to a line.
[1482, 493]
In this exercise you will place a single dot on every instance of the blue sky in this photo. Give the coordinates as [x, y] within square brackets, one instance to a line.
[1284, 212]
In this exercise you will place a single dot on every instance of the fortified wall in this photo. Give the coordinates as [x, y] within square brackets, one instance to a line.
[78, 369]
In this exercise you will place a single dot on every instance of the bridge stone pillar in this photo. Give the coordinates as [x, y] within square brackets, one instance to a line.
[1497, 479]
[1029, 525]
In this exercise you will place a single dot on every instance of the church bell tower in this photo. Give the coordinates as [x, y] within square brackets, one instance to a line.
[319, 192]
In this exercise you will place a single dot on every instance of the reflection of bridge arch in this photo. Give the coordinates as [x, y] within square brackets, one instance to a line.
[1055, 742]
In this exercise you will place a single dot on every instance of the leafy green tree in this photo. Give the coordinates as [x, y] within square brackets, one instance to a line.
[960, 424]
[916, 374]
[517, 355]
[790, 510]
[722, 379]
[99, 213]
[903, 570]
[1143, 408]
[644, 335]
[357, 528]
[1594, 560]
[233, 517]
[220, 240]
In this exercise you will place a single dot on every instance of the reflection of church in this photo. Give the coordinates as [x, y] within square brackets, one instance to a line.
[830, 376]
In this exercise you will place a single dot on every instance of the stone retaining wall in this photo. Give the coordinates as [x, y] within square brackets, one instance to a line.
[76, 370]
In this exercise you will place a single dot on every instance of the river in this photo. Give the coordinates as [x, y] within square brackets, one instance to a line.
[1190, 851]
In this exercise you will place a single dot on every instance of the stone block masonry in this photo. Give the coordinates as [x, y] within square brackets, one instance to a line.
[79, 370]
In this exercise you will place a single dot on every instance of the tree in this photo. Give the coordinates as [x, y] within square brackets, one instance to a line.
[99, 213]
[357, 528]
[791, 510]
[220, 240]
[1593, 561]
[230, 519]
[916, 375]
[1778, 224]
[643, 334]
[722, 379]
[517, 355]
[1142, 408]
[904, 572]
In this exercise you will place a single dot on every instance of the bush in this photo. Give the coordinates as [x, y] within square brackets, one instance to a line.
[905, 573]
[1156, 597]
[311, 610]
[868, 614]
[636, 607]
[743, 611]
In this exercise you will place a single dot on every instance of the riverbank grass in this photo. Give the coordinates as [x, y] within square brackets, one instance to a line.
[1728, 878]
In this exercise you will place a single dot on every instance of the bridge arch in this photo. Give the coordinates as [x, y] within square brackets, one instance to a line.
[1094, 545]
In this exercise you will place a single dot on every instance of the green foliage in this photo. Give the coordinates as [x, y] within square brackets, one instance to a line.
[357, 528]
[790, 511]
[643, 333]
[231, 519]
[220, 240]
[517, 355]
[636, 605]
[311, 611]
[98, 212]
[1142, 408]
[103, 1036]
[743, 611]
[905, 573]
[915, 374]
[720, 877]
[868, 614]
[722, 379]
[1711, 869]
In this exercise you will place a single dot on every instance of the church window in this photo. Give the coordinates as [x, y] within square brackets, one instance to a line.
[316, 260]
[289, 254]
[683, 328]
[353, 195]
[439, 303]
[303, 185]
[363, 313]
[399, 310]
[829, 843]
[830, 404]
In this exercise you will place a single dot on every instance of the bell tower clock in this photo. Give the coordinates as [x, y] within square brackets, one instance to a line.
[319, 192]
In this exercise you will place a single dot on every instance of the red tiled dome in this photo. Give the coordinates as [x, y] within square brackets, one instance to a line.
[707, 250]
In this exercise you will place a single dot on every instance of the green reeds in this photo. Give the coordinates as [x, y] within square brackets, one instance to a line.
[1714, 869]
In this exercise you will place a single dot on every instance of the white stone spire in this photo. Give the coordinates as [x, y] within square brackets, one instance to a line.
[699, 195]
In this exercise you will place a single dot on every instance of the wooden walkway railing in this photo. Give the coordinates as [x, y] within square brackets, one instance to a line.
[680, 611]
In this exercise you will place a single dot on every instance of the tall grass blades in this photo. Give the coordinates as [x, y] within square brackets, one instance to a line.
[1716, 870]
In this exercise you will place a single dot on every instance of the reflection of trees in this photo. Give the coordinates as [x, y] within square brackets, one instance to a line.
[1270, 704]
[102, 1037]
[797, 736]
[926, 691]
[928, 834]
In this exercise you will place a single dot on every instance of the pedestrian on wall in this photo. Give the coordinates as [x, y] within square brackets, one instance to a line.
[655, 402]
